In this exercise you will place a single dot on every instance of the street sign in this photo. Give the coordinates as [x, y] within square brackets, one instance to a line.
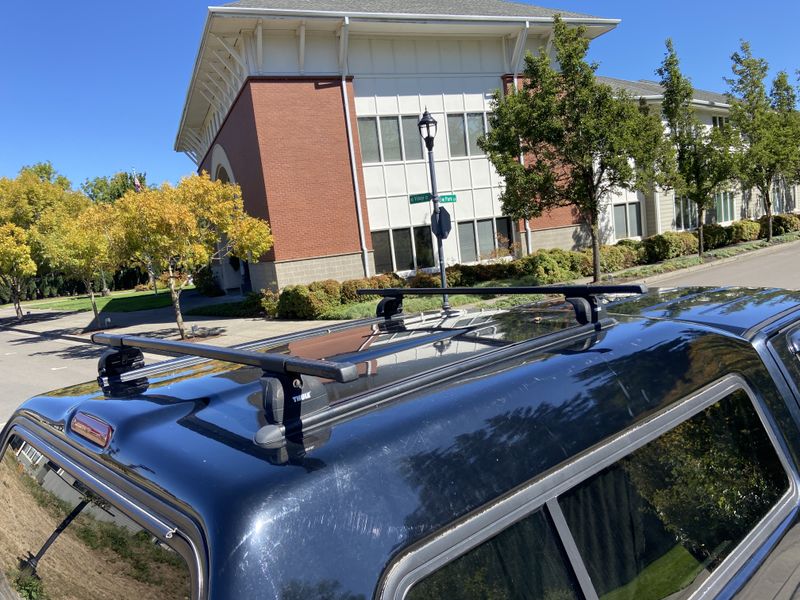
[420, 198]
[441, 223]
[447, 198]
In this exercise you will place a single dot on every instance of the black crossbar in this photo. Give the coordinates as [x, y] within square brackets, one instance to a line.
[270, 362]
[569, 291]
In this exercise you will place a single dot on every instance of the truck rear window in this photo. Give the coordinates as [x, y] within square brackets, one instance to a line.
[59, 540]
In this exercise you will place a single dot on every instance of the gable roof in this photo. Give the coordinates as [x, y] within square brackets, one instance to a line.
[645, 88]
[473, 8]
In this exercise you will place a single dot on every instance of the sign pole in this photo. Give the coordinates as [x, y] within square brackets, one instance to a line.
[436, 211]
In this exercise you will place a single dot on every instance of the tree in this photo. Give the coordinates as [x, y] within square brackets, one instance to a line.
[180, 229]
[16, 263]
[111, 189]
[581, 141]
[83, 242]
[767, 127]
[703, 157]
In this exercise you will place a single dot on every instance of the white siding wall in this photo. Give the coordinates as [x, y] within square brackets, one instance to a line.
[395, 77]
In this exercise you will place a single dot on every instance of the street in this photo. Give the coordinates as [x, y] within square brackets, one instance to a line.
[775, 267]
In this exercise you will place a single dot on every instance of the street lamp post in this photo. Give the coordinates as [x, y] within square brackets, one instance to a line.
[427, 129]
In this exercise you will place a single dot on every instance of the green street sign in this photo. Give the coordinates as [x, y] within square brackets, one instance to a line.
[447, 198]
[420, 198]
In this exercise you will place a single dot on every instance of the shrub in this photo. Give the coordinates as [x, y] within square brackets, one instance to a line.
[781, 224]
[424, 280]
[552, 266]
[299, 302]
[348, 290]
[206, 283]
[689, 243]
[269, 302]
[744, 231]
[669, 244]
[715, 236]
[613, 258]
[454, 276]
[329, 287]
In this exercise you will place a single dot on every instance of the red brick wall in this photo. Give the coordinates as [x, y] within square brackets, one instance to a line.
[288, 138]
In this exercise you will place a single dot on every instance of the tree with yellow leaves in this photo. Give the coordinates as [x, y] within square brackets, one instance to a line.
[180, 230]
[82, 240]
[16, 263]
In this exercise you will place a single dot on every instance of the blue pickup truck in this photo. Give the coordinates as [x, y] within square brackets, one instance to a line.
[603, 442]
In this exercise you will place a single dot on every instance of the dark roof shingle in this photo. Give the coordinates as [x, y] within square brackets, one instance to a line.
[653, 88]
[476, 8]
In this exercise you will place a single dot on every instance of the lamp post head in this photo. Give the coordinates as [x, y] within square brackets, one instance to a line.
[427, 129]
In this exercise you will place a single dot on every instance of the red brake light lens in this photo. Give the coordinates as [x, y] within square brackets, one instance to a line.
[91, 428]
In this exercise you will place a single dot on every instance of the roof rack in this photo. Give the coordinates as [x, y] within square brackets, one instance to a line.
[583, 298]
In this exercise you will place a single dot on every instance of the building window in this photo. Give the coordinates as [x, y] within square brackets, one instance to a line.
[627, 220]
[382, 249]
[457, 135]
[466, 242]
[685, 214]
[368, 138]
[423, 244]
[505, 237]
[723, 204]
[464, 131]
[486, 239]
[720, 122]
[403, 250]
[412, 142]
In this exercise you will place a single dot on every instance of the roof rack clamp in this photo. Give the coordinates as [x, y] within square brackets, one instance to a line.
[390, 306]
[288, 397]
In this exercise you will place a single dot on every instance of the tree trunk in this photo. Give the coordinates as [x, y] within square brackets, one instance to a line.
[175, 294]
[701, 215]
[90, 291]
[151, 275]
[595, 229]
[105, 291]
[768, 208]
[15, 294]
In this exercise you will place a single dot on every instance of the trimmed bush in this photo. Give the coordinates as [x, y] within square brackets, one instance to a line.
[669, 244]
[715, 236]
[299, 302]
[781, 224]
[424, 280]
[269, 302]
[744, 231]
[205, 283]
[329, 287]
[552, 266]
[613, 258]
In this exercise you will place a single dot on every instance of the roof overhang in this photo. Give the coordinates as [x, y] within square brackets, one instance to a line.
[226, 21]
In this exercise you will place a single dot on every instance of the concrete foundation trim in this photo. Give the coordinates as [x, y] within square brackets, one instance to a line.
[277, 275]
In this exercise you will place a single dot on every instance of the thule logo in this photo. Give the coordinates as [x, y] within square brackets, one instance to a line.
[301, 397]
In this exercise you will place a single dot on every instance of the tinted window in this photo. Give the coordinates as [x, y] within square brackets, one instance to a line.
[423, 243]
[620, 226]
[412, 141]
[504, 235]
[659, 521]
[390, 136]
[403, 255]
[523, 562]
[485, 239]
[100, 553]
[457, 135]
[475, 130]
[634, 219]
[383, 251]
[466, 242]
[368, 137]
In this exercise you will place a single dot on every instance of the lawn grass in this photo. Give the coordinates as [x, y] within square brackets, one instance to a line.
[661, 578]
[128, 301]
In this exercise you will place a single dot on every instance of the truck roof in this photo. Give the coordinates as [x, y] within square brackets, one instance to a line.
[451, 399]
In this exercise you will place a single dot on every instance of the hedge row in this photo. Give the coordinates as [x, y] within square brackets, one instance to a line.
[544, 267]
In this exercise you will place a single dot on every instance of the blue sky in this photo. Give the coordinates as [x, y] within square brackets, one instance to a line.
[98, 86]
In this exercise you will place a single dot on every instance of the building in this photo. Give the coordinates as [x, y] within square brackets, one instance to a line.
[635, 215]
[312, 108]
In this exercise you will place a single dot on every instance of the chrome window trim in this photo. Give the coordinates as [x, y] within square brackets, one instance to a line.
[169, 534]
[447, 545]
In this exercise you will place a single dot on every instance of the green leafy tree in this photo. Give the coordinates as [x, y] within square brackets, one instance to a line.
[110, 189]
[581, 141]
[181, 229]
[767, 126]
[83, 242]
[703, 160]
[16, 264]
